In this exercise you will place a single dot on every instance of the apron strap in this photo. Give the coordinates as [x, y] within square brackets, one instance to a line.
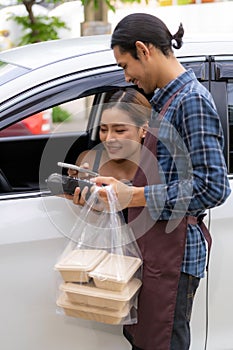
[193, 220]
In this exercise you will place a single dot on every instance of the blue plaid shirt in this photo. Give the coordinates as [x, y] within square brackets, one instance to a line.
[191, 162]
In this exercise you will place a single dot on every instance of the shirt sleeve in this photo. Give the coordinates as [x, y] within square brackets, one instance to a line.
[196, 177]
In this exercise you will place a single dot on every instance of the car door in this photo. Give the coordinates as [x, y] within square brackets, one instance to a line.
[35, 226]
[220, 285]
[211, 319]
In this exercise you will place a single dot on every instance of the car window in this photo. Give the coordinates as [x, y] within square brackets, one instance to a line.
[71, 116]
[67, 117]
[230, 117]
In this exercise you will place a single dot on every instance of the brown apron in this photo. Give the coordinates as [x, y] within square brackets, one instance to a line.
[162, 254]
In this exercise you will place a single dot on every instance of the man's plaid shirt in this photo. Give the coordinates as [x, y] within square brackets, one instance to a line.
[191, 162]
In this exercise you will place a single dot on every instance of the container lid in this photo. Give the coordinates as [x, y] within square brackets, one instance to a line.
[64, 302]
[90, 290]
[81, 260]
[117, 268]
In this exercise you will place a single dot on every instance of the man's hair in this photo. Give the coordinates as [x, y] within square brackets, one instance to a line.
[148, 29]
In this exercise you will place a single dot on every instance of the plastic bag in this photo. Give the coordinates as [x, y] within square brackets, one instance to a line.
[100, 269]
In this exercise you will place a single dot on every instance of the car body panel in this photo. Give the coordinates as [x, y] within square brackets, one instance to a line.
[79, 52]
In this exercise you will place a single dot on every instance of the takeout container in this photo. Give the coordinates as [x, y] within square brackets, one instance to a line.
[76, 265]
[92, 296]
[98, 314]
[115, 271]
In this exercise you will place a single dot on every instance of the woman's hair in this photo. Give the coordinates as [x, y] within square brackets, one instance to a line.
[148, 29]
[131, 101]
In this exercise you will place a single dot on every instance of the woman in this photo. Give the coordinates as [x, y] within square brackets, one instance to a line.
[122, 130]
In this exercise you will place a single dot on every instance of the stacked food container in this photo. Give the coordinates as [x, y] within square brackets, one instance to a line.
[98, 285]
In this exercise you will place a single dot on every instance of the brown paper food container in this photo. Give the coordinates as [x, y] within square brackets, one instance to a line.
[76, 265]
[115, 271]
[90, 295]
[92, 313]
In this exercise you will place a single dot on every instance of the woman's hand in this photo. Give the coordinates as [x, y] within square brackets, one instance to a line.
[72, 172]
[80, 197]
[75, 173]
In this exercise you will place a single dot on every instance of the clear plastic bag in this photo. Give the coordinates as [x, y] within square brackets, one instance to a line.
[100, 268]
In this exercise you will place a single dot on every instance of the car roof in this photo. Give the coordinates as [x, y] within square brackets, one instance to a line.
[206, 45]
[31, 56]
[36, 55]
[35, 64]
[26, 67]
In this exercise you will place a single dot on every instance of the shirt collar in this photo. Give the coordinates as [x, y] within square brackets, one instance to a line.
[162, 95]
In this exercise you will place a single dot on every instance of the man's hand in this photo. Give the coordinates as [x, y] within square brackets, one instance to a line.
[128, 196]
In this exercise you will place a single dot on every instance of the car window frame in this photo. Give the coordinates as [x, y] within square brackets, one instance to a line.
[49, 94]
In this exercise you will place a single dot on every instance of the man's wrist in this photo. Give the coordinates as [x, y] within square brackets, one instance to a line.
[138, 197]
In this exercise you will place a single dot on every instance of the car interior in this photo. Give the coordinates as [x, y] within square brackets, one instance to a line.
[28, 160]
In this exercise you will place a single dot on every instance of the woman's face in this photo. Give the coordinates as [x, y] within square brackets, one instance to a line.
[120, 136]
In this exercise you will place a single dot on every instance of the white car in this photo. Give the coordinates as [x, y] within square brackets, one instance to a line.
[71, 77]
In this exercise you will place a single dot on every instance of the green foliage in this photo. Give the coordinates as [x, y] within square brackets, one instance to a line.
[59, 114]
[43, 28]
[37, 28]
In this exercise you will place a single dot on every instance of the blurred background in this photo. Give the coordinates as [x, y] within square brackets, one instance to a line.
[28, 21]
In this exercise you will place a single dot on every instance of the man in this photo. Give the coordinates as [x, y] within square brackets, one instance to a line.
[182, 173]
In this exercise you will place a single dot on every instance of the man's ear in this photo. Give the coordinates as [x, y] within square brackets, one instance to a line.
[142, 49]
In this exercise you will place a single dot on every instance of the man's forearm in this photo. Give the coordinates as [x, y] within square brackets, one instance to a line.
[138, 198]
